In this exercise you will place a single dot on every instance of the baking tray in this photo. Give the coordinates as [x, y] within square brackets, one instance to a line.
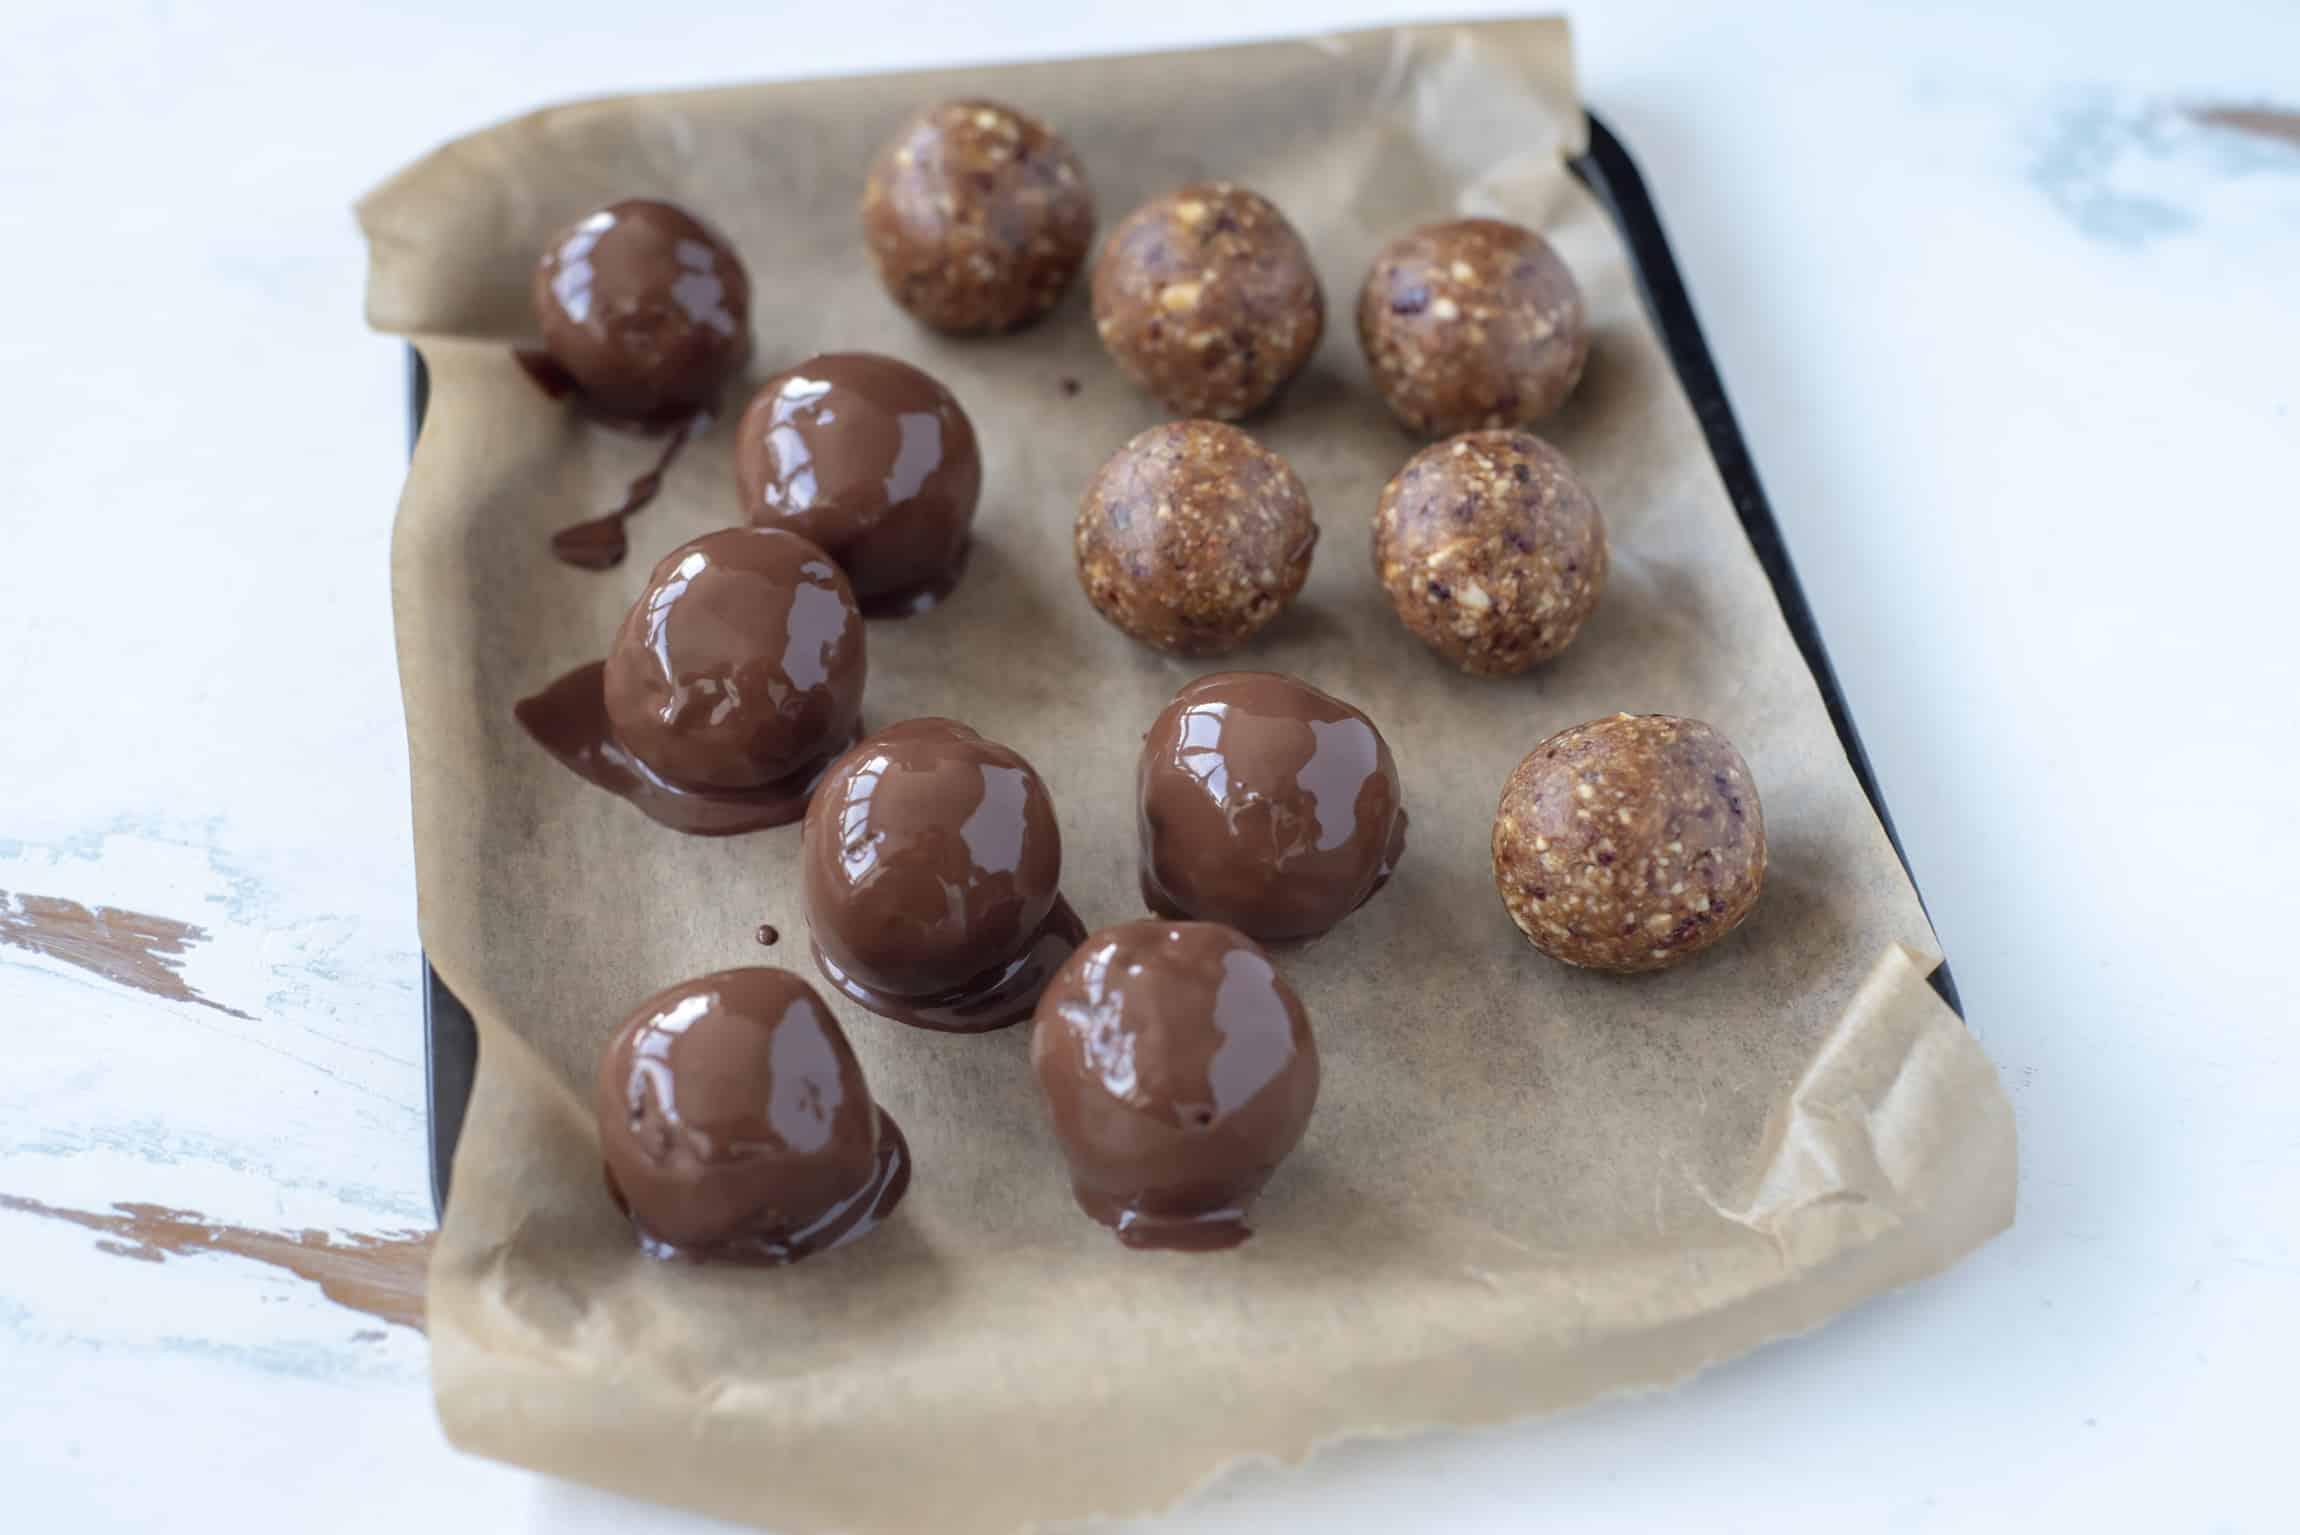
[451, 1044]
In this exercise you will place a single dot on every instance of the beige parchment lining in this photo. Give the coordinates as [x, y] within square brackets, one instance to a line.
[1524, 1186]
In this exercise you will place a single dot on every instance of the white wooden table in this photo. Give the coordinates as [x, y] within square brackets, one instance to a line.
[2009, 310]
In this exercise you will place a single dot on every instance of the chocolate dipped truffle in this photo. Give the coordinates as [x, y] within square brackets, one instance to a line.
[1178, 1068]
[1206, 299]
[932, 865]
[741, 664]
[1267, 805]
[1630, 843]
[873, 460]
[735, 1123]
[1194, 536]
[1491, 550]
[977, 215]
[646, 308]
[1472, 323]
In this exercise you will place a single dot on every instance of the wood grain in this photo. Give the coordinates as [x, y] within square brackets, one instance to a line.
[128, 948]
[381, 1275]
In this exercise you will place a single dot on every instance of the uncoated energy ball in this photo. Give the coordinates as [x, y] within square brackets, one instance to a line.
[977, 215]
[1630, 843]
[1491, 550]
[1207, 299]
[1194, 536]
[1472, 323]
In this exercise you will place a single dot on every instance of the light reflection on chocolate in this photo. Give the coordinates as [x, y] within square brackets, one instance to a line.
[1179, 1069]
[873, 460]
[932, 863]
[735, 678]
[645, 315]
[646, 308]
[736, 1125]
[1266, 804]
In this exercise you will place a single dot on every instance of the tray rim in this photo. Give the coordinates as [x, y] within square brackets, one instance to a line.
[451, 1040]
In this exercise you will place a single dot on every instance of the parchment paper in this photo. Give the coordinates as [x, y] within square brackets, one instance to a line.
[1524, 1185]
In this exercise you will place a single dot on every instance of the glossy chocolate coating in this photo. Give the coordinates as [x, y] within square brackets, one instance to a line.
[646, 308]
[568, 719]
[932, 861]
[871, 459]
[1266, 804]
[1178, 1068]
[735, 1122]
[740, 664]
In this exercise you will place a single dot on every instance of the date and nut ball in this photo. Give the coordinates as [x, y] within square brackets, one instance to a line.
[931, 872]
[1206, 299]
[645, 308]
[873, 460]
[1266, 804]
[735, 1123]
[1194, 536]
[1178, 1068]
[740, 666]
[1491, 549]
[1472, 323]
[1630, 843]
[977, 216]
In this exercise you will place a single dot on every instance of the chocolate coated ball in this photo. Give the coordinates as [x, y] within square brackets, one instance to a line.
[741, 663]
[873, 460]
[1266, 804]
[932, 865]
[646, 308]
[1178, 1068]
[735, 1122]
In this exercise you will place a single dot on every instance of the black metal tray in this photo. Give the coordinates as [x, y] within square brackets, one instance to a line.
[451, 1047]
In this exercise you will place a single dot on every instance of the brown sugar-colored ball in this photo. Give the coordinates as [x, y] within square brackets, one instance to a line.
[1207, 299]
[1472, 323]
[1630, 843]
[978, 216]
[1194, 536]
[1491, 550]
